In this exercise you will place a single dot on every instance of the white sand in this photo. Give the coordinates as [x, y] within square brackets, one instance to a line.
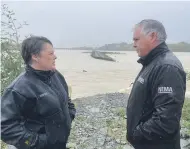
[102, 76]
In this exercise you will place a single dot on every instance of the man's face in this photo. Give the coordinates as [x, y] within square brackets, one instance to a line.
[142, 43]
[46, 58]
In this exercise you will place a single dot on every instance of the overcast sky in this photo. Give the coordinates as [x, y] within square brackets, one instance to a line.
[87, 23]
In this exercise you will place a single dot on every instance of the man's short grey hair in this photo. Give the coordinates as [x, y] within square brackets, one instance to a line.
[149, 26]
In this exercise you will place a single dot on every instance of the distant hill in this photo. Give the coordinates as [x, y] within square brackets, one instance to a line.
[178, 47]
[123, 46]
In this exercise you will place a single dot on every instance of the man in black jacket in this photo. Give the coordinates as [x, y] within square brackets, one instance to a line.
[156, 100]
[36, 111]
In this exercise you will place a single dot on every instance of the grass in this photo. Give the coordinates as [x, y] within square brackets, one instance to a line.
[117, 127]
[185, 120]
[80, 118]
[3, 145]
[121, 112]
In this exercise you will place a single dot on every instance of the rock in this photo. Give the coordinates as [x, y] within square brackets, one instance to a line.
[185, 144]
[187, 94]
[93, 110]
[101, 55]
[128, 147]
[11, 147]
[115, 129]
[71, 145]
[184, 134]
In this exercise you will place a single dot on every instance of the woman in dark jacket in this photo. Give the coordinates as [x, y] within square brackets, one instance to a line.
[36, 111]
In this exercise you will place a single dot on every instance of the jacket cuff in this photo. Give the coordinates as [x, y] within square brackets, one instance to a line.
[137, 134]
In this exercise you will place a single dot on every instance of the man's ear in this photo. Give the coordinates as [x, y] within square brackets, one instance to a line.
[153, 36]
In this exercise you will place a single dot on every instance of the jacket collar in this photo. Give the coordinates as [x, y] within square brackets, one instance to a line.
[161, 48]
[41, 74]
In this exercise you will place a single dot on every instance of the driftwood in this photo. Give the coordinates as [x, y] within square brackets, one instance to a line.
[101, 55]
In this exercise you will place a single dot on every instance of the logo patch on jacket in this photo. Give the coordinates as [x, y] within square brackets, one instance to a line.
[42, 95]
[141, 80]
[165, 90]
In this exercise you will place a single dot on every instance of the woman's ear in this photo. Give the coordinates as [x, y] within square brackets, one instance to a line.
[35, 58]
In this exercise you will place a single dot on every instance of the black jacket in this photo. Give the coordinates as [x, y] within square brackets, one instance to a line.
[155, 103]
[36, 112]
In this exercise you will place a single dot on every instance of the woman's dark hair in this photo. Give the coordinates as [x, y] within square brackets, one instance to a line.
[32, 46]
